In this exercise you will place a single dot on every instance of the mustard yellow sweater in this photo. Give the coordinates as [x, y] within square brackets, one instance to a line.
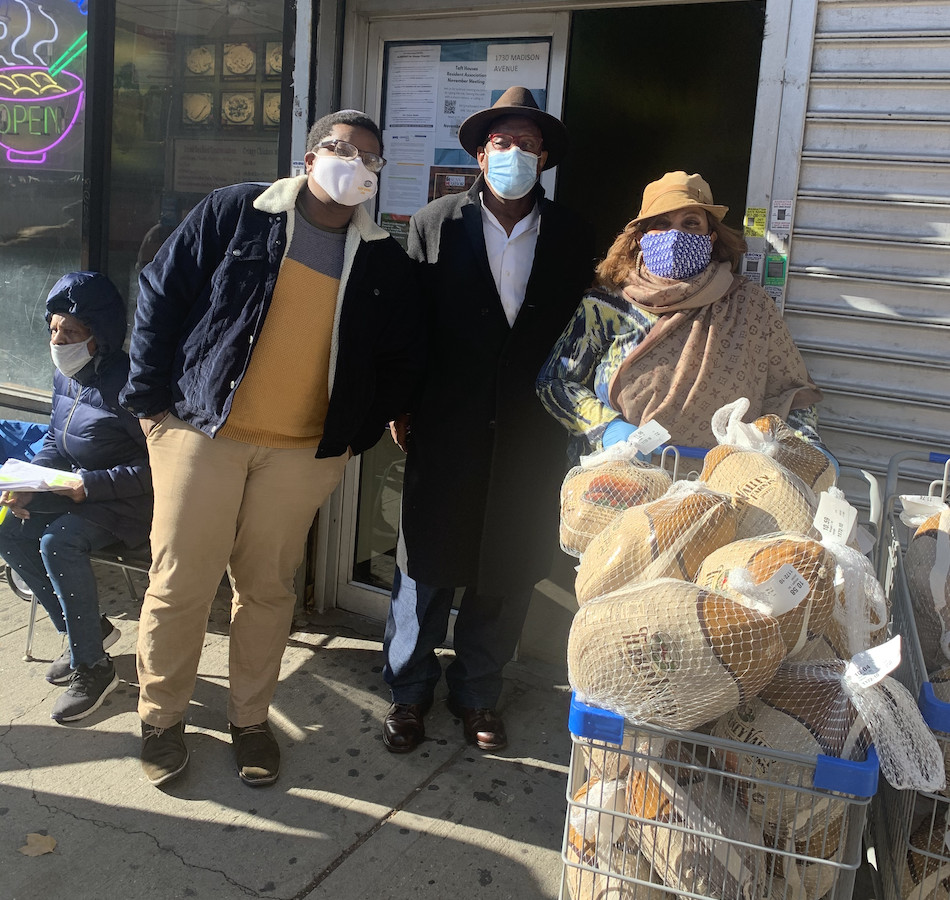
[282, 399]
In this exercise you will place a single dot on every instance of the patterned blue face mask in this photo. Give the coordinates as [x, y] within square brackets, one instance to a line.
[676, 254]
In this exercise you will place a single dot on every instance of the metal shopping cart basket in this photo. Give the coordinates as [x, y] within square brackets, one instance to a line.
[910, 827]
[654, 813]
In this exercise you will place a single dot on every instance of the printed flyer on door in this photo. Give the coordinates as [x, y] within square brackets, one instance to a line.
[429, 90]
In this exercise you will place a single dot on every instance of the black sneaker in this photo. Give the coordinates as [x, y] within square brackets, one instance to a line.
[61, 670]
[164, 754]
[257, 754]
[88, 687]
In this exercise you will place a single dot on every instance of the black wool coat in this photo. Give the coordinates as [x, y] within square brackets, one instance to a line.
[485, 461]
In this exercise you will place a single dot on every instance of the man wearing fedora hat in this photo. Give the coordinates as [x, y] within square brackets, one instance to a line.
[501, 269]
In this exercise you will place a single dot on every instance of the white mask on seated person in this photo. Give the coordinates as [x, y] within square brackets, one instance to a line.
[70, 358]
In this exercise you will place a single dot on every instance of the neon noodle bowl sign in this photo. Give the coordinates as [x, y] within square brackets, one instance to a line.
[37, 111]
[39, 105]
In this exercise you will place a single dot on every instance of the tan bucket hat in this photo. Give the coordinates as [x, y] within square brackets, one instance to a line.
[676, 190]
[516, 101]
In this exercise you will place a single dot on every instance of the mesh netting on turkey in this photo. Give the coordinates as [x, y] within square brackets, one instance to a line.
[772, 437]
[667, 538]
[595, 493]
[670, 652]
[829, 708]
[927, 564]
[789, 576]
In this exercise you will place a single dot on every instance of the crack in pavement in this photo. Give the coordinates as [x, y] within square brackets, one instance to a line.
[111, 826]
[53, 809]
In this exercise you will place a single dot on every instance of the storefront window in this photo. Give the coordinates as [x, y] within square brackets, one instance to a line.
[196, 105]
[42, 116]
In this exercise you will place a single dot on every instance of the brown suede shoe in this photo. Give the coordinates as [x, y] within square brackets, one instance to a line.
[403, 727]
[482, 727]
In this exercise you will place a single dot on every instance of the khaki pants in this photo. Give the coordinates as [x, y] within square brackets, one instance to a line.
[221, 504]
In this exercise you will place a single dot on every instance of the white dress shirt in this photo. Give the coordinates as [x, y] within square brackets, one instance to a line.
[511, 257]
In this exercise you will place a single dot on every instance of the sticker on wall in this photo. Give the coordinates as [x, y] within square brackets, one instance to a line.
[752, 266]
[775, 266]
[754, 221]
[781, 221]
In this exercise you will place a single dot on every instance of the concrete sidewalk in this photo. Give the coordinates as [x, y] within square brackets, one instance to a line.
[346, 820]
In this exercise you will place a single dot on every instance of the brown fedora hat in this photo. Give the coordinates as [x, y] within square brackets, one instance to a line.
[516, 101]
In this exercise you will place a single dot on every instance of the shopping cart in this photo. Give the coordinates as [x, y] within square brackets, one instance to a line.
[654, 813]
[910, 827]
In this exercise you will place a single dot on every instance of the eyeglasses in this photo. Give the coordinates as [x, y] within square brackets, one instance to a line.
[527, 143]
[345, 150]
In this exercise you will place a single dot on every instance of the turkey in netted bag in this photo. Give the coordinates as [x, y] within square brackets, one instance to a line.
[597, 838]
[667, 538]
[594, 493]
[789, 576]
[772, 436]
[670, 652]
[926, 875]
[695, 833]
[768, 496]
[861, 611]
[834, 708]
[927, 564]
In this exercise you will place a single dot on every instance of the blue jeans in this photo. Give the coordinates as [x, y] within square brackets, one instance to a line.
[487, 630]
[50, 552]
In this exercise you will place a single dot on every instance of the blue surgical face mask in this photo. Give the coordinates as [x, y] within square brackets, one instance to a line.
[676, 254]
[512, 173]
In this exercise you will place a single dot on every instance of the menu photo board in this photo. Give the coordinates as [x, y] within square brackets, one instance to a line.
[429, 90]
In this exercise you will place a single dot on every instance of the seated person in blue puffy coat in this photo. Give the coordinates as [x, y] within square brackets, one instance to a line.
[48, 538]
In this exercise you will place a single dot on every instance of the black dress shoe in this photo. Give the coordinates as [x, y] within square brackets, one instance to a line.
[483, 727]
[403, 727]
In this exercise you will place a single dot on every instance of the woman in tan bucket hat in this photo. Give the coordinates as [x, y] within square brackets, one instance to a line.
[670, 332]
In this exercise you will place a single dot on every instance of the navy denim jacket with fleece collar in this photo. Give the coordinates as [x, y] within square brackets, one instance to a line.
[203, 299]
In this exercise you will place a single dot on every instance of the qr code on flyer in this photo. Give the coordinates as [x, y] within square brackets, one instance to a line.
[449, 108]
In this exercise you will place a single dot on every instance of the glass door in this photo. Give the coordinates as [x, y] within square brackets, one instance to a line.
[421, 80]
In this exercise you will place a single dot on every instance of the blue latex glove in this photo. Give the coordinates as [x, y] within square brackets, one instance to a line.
[617, 432]
[834, 462]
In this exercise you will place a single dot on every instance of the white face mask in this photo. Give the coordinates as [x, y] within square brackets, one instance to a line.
[347, 181]
[70, 358]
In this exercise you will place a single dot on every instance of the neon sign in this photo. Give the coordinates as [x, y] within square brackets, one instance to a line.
[37, 111]
[39, 103]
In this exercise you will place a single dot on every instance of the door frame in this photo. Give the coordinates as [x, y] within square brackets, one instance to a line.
[778, 125]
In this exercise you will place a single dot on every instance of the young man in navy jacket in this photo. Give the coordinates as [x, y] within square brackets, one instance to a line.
[277, 332]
